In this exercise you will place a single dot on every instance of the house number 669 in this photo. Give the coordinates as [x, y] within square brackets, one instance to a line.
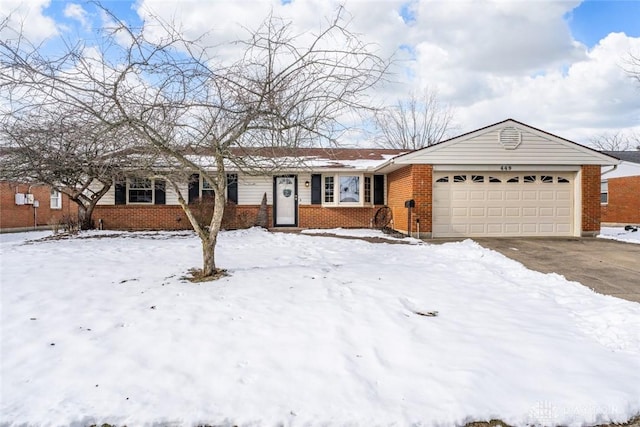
[505, 168]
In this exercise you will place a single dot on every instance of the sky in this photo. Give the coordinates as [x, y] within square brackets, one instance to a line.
[561, 66]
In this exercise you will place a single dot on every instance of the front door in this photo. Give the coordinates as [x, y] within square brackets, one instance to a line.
[285, 201]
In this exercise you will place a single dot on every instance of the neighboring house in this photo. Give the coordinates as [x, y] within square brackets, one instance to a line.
[25, 206]
[507, 179]
[620, 189]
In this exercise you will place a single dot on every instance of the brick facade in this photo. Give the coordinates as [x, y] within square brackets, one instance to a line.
[411, 182]
[623, 205]
[171, 217]
[314, 216]
[163, 217]
[590, 200]
[14, 216]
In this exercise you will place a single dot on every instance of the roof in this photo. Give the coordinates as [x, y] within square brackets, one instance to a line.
[627, 156]
[285, 158]
[484, 146]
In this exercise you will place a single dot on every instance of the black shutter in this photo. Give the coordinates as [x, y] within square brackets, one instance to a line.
[316, 189]
[121, 192]
[160, 193]
[194, 187]
[378, 189]
[232, 187]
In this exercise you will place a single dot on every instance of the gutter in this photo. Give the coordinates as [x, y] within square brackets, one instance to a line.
[609, 171]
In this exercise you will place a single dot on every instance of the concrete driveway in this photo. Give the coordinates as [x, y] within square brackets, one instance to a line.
[606, 266]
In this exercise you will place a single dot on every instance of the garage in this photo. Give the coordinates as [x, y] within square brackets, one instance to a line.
[479, 204]
[508, 179]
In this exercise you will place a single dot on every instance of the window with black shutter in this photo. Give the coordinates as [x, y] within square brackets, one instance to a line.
[378, 189]
[232, 187]
[121, 192]
[316, 189]
[194, 187]
[160, 194]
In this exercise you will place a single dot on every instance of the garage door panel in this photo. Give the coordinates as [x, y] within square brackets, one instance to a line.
[512, 195]
[546, 212]
[495, 195]
[504, 204]
[477, 212]
[477, 195]
[512, 212]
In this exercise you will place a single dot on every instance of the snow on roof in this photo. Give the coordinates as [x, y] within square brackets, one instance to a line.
[302, 158]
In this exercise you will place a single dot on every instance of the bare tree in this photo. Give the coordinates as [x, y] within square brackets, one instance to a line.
[64, 149]
[417, 122]
[286, 91]
[616, 141]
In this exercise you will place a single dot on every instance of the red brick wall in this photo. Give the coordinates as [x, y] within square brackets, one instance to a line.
[168, 217]
[411, 182]
[623, 205]
[423, 195]
[22, 216]
[399, 190]
[315, 216]
[590, 199]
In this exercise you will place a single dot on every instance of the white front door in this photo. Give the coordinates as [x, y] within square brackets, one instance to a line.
[285, 199]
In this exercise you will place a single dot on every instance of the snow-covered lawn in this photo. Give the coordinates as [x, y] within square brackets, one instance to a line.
[619, 233]
[307, 330]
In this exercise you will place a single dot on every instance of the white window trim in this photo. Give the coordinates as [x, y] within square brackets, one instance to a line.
[153, 193]
[604, 189]
[336, 190]
[56, 196]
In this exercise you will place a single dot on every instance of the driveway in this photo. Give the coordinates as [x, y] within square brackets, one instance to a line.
[606, 266]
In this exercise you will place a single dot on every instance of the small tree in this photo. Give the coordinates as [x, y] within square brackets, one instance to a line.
[286, 90]
[417, 122]
[61, 148]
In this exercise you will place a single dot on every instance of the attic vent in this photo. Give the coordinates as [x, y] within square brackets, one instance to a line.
[510, 138]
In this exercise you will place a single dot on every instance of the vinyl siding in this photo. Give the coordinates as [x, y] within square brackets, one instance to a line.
[485, 148]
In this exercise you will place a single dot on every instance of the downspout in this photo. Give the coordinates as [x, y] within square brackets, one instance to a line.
[609, 171]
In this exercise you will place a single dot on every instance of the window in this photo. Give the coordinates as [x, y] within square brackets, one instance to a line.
[140, 190]
[562, 180]
[443, 179]
[207, 190]
[349, 189]
[459, 178]
[546, 179]
[328, 189]
[529, 178]
[55, 199]
[367, 189]
[604, 192]
[199, 188]
[494, 179]
[513, 180]
[477, 178]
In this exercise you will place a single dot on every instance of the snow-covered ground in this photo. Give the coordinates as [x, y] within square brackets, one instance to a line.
[305, 331]
[619, 233]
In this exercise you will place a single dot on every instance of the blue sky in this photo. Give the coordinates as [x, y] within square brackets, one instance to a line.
[592, 20]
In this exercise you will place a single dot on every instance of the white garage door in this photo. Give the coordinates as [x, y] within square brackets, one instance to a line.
[503, 204]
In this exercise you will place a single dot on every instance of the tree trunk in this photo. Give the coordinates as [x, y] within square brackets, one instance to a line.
[85, 217]
[208, 258]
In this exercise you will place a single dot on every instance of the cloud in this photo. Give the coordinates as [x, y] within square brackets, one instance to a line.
[28, 17]
[77, 12]
[489, 59]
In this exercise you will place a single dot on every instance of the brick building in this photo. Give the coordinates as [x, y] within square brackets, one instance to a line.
[29, 206]
[507, 179]
[620, 190]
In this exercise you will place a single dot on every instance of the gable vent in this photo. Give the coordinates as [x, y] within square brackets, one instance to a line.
[510, 138]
